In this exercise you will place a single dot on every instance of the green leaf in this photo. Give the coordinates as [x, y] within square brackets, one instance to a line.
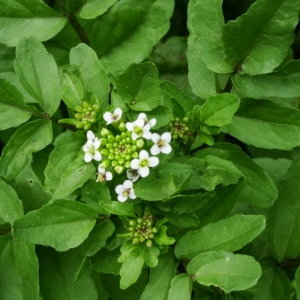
[97, 238]
[139, 87]
[138, 26]
[77, 173]
[161, 237]
[160, 278]
[297, 277]
[18, 270]
[283, 83]
[10, 206]
[30, 17]
[118, 208]
[150, 255]
[38, 73]
[13, 110]
[93, 8]
[181, 287]
[72, 92]
[57, 271]
[31, 137]
[213, 170]
[228, 234]
[105, 261]
[182, 221]
[266, 124]
[261, 48]
[65, 152]
[259, 189]
[205, 22]
[171, 178]
[283, 226]
[273, 284]
[218, 110]
[131, 269]
[230, 272]
[62, 224]
[202, 80]
[91, 73]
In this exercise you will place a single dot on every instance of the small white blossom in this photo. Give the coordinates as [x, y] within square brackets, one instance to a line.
[125, 191]
[91, 148]
[138, 128]
[102, 175]
[143, 163]
[133, 175]
[143, 116]
[161, 143]
[113, 117]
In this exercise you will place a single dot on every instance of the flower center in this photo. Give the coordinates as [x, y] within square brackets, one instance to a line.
[160, 143]
[144, 162]
[114, 116]
[138, 130]
[126, 193]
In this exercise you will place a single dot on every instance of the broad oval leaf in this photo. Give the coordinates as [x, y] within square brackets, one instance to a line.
[18, 270]
[138, 26]
[62, 224]
[266, 124]
[29, 17]
[93, 8]
[118, 208]
[181, 287]
[10, 206]
[13, 110]
[31, 137]
[227, 234]
[38, 73]
[230, 272]
[261, 48]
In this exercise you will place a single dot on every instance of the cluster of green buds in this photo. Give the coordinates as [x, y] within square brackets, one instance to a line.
[87, 115]
[179, 129]
[142, 229]
[119, 150]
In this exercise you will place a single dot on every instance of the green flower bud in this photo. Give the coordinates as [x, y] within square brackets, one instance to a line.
[128, 133]
[139, 220]
[95, 107]
[115, 145]
[122, 127]
[105, 132]
[118, 138]
[105, 163]
[93, 120]
[79, 109]
[78, 116]
[105, 152]
[175, 136]
[103, 141]
[133, 148]
[185, 120]
[140, 144]
[136, 234]
[135, 240]
[87, 126]
[149, 243]
[127, 157]
[131, 228]
[154, 229]
[111, 156]
[79, 126]
[114, 163]
[109, 146]
[127, 165]
[119, 169]
[121, 161]
[111, 139]
[142, 239]
[151, 236]
[134, 155]
[112, 150]
[85, 105]
[132, 222]
[123, 135]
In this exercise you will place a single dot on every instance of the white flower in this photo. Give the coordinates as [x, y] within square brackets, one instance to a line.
[133, 175]
[143, 164]
[102, 175]
[90, 148]
[113, 117]
[125, 191]
[138, 129]
[161, 143]
[143, 116]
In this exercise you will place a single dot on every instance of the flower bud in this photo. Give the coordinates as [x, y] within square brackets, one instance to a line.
[118, 138]
[135, 155]
[132, 222]
[121, 161]
[154, 230]
[135, 240]
[79, 109]
[105, 163]
[149, 243]
[105, 152]
[127, 157]
[111, 156]
[105, 132]
[87, 126]
[122, 127]
[111, 138]
[85, 105]
[142, 239]
[123, 135]
[140, 144]
[103, 141]
[114, 163]
[140, 220]
[109, 146]
[127, 164]
[78, 116]
[79, 126]
[119, 169]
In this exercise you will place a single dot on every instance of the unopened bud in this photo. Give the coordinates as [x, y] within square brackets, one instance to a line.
[119, 169]
[135, 240]
[85, 105]
[140, 144]
[122, 127]
[79, 109]
[149, 243]
[105, 152]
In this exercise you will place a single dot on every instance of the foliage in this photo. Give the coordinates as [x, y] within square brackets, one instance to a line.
[150, 149]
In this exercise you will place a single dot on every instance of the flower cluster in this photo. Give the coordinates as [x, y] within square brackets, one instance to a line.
[180, 129]
[87, 116]
[142, 230]
[125, 150]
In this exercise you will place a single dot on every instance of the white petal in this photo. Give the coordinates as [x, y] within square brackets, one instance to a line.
[101, 170]
[88, 157]
[87, 146]
[135, 164]
[166, 149]
[108, 176]
[135, 178]
[108, 117]
[147, 127]
[129, 126]
[147, 134]
[127, 184]
[97, 143]
[97, 156]
[119, 189]
[134, 136]
[132, 194]
[118, 111]
[121, 198]
[155, 137]
[90, 135]
[142, 116]
[144, 171]
[139, 123]
[166, 137]
[155, 150]
[153, 161]
[152, 122]
[144, 155]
